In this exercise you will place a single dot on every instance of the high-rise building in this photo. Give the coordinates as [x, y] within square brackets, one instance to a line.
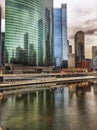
[79, 47]
[71, 57]
[70, 49]
[26, 47]
[28, 26]
[94, 56]
[2, 51]
[0, 40]
[94, 51]
[71, 60]
[60, 36]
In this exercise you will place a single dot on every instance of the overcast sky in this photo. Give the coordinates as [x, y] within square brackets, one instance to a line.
[2, 4]
[81, 15]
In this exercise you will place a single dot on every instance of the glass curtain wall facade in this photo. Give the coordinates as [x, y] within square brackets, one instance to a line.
[26, 24]
[57, 37]
[60, 37]
[79, 48]
[64, 36]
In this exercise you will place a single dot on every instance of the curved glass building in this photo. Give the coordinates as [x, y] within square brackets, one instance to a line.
[28, 37]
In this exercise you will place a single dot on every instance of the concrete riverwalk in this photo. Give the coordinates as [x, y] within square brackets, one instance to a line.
[24, 86]
[46, 80]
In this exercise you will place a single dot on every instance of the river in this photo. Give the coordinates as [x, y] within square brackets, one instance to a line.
[69, 107]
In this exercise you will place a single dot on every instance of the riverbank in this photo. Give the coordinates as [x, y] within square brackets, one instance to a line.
[46, 80]
[39, 84]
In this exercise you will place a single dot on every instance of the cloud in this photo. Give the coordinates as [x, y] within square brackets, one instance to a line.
[88, 26]
[83, 17]
[3, 25]
[2, 4]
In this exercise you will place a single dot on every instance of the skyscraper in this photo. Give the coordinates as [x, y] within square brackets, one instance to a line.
[40, 43]
[0, 40]
[29, 24]
[94, 56]
[94, 51]
[79, 47]
[26, 48]
[60, 36]
[3, 44]
[71, 57]
[70, 49]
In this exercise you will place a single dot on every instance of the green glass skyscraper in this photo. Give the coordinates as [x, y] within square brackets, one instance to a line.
[28, 27]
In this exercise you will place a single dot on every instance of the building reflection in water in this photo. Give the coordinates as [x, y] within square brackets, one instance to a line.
[79, 88]
[71, 106]
[95, 87]
[83, 87]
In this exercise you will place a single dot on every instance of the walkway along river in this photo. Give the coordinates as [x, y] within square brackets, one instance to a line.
[25, 86]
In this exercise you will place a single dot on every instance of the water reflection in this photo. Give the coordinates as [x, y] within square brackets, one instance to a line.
[72, 106]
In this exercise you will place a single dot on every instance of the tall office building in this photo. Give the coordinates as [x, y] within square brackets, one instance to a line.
[70, 49]
[94, 51]
[79, 47]
[71, 60]
[0, 40]
[28, 26]
[94, 56]
[3, 44]
[26, 47]
[71, 57]
[60, 36]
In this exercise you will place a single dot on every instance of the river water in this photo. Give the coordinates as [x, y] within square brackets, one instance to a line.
[70, 107]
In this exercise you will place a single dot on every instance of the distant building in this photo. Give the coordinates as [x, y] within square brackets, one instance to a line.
[71, 57]
[3, 44]
[86, 64]
[95, 63]
[94, 56]
[0, 39]
[70, 49]
[60, 37]
[94, 51]
[20, 55]
[79, 47]
[29, 26]
[71, 60]
[25, 48]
